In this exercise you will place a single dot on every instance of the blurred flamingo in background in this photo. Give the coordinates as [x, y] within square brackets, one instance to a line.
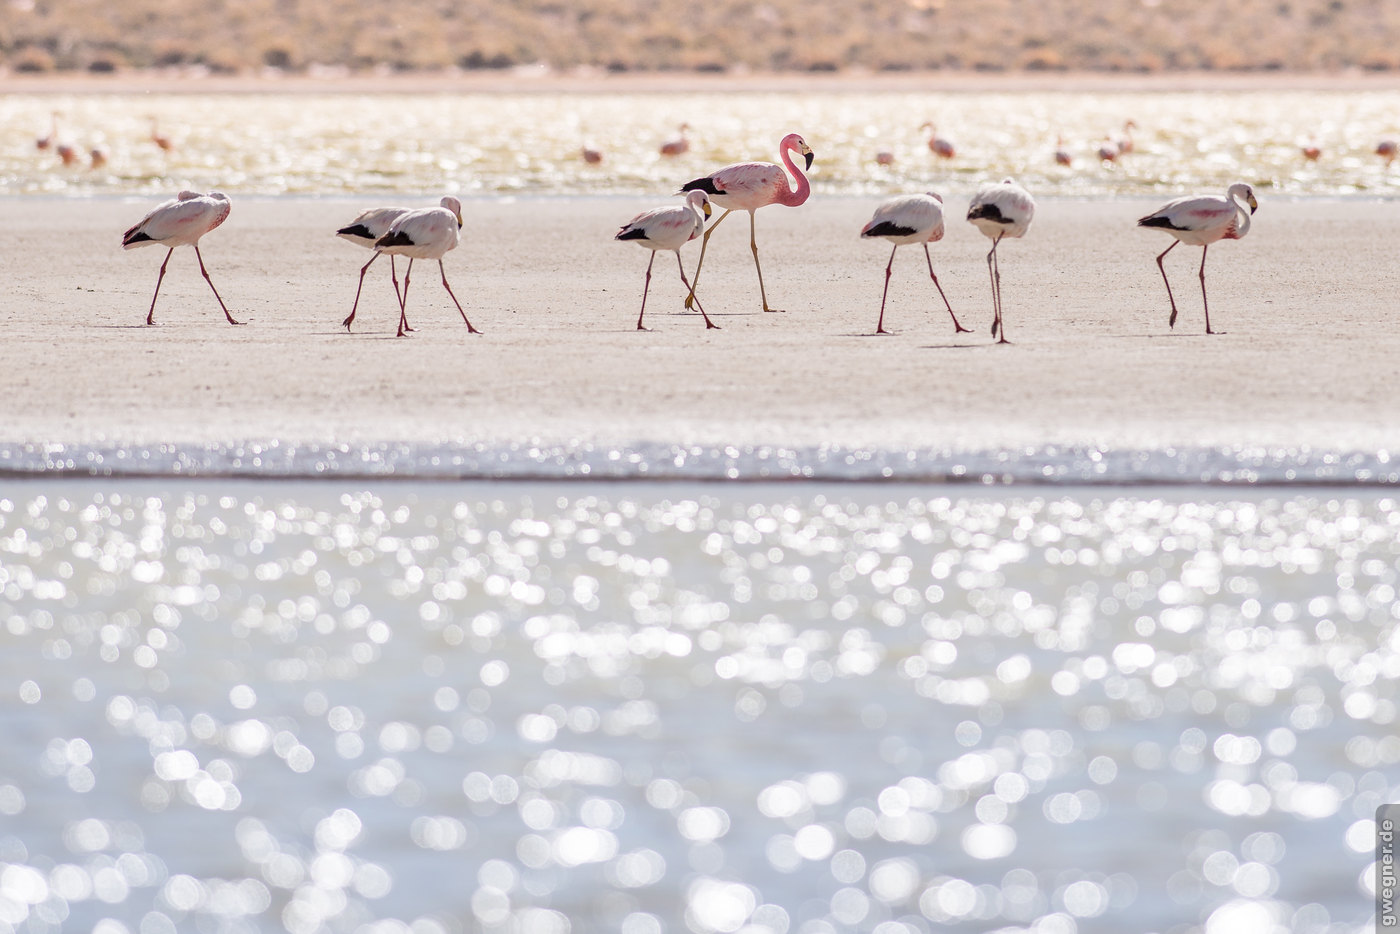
[678, 146]
[97, 157]
[1108, 150]
[590, 155]
[44, 142]
[1311, 150]
[884, 157]
[1387, 150]
[1126, 144]
[162, 142]
[748, 186]
[936, 144]
[1062, 156]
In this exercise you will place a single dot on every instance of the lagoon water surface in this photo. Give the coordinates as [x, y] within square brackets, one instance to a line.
[648, 707]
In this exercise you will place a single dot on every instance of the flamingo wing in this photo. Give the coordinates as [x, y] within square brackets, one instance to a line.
[175, 222]
[1192, 213]
[744, 182]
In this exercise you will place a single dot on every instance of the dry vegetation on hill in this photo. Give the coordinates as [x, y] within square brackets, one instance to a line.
[231, 36]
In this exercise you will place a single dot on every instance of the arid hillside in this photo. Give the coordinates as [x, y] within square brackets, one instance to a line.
[235, 36]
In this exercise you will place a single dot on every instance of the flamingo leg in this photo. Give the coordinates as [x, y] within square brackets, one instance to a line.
[704, 245]
[994, 272]
[646, 287]
[708, 323]
[959, 327]
[1205, 303]
[151, 315]
[889, 268]
[753, 245]
[394, 274]
[403, 300]
[443, 270]
[1171, 322]
[363, 269]
[205, 273]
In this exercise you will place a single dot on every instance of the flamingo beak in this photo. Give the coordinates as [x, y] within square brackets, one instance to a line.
[459, 221]
[705, 206]
[809, 156]
[1253, 205]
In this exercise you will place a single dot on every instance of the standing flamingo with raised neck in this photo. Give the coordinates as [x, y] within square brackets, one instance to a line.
[1200, 221]
[748, 186]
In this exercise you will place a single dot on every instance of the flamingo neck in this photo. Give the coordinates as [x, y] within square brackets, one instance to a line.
[794, 197]
[1242, 212]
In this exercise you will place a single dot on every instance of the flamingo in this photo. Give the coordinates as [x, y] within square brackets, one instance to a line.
[678, 146]
[427, 233]
[669, 228]
[884, 157]
[590, 155]
[161, 141]
[44, 142]
[1311, 150]
[1108, 150]
[1003, 210]
[1387, 149]
[66, 153]
[1062, 156]
[1200, 221]
[97, 157]
[936, 144]
[748, 186]
[1126, 144]
[181, 221]
[365, 230]
[909, 219]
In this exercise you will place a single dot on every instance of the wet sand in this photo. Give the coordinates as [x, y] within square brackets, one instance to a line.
[1307, 302]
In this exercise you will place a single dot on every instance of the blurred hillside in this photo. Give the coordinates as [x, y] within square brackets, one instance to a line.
[234, 36]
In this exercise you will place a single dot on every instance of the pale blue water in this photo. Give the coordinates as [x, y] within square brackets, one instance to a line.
[643, 707]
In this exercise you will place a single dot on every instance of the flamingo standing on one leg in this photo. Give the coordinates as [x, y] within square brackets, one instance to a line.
[1003, 210]
[1200, 221]
[905, 220]
[669, 228]
[748, 186]
[427, 233]
[678, 146]
[938, 145]
[179, 222]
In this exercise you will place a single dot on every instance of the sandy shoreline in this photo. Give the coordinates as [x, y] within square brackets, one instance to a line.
[1307, 301]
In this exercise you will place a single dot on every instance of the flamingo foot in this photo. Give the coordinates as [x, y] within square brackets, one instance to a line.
[881, 331]
[711, 326]
[962, 330]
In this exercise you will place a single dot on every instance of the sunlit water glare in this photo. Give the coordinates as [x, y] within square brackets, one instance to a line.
[646, 708]
[529, 143]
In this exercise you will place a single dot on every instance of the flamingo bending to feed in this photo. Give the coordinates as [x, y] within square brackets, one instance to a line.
[366, 230]
[748, 186]
[904, 220]
[427, 233]
[44, 142]
[97, 157]
[938, 145]
[590, 155]
[1311, 150]
[678, 146]
[1108, 152]
[1200, 221]
[162, 142]
[1062, 156]
[181, 221]
[1000, 210]
[669, 228]
[1387, 149]
[884, 157]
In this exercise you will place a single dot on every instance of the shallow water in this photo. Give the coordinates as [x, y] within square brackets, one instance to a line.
[529, 143]
[651, 707]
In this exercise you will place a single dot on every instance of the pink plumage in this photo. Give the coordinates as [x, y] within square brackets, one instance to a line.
[180, 221]
[906, 220]
[748, 186]
[669, 228]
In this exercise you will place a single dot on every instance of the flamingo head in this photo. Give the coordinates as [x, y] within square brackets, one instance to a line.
[699, 200]
[935, 196]
[455, 206]
[1245, 193]
[794, 141]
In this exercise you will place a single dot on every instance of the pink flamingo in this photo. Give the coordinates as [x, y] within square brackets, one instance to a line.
[1062, 156]
[905, 220]
[1126, 144]
[1387, 150]
[668, 228]
[748, 186]
[590, 155]
[938, 145]
[678, 146]
[181, 221]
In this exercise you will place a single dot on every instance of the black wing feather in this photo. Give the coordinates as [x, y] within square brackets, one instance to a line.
[888, 229]
[394, 238]
[706, 184]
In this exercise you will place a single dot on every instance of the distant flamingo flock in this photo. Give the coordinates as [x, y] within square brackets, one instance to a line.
[1000, 211]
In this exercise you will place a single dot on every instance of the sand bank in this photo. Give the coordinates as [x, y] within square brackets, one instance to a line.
[1307, 302]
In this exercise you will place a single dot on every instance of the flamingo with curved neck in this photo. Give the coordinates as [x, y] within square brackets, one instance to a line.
[748, 186]
[1201, 221]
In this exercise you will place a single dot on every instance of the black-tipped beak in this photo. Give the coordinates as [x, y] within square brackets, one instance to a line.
[706, 208]
[809, 157]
